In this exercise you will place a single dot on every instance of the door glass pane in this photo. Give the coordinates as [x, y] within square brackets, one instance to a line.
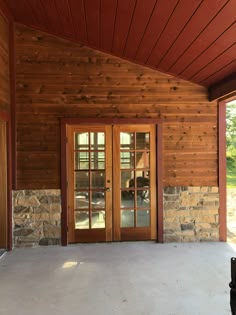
[142, 160]
[126, 176]
[127, 199]
[98, 179]
[142, 140]
[81, 200]
[98, 200]
[126, 140]
[81, 160]
[81, 141]
[98, 220]
[97, 140]
[126, 160]
[143, 218]
[81, 180]
[127, 218]
[97, 160]
[143, 200]
[82, 220]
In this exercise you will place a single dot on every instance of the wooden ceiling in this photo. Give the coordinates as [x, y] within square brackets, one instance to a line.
[190, 39]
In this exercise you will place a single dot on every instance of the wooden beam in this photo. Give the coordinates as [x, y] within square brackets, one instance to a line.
[222, 170]
[222, 88]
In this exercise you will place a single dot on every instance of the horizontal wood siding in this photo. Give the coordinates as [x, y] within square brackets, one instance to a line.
[4, 65]
[56, 78]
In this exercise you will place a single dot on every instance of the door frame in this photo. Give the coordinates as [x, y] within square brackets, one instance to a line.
[110, 121]
[4, 116]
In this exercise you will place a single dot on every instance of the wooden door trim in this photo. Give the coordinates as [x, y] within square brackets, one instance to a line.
[159, 176]
[4, 116]
[109, 121]
[64, 219]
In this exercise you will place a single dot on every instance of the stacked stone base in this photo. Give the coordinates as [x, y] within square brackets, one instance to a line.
[36, 217]
[191, 214]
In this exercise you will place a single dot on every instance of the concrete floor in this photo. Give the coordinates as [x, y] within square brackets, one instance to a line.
[117, 278]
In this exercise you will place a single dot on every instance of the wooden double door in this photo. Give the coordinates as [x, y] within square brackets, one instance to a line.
[111, 188]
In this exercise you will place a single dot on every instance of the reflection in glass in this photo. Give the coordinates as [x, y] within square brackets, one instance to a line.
[81, 200]
[97, 140]
[81, 141]
[82, 220]
[98, 200]
[97, 160]
[98, 220]
[126, 140]
[125, 178]
[127, 199]
[142, 140]
[143, 200]
[127, 218]
[142, 159]
[140, 182]
[82, 160]
[98, 179]
[143, 218]
[81, 180]
[126, 160]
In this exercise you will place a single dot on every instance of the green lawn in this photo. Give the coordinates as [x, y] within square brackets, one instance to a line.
[231, 172]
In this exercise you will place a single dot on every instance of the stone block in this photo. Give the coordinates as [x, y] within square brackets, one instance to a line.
[51, 231]
[169, 190]
[171, 238]
[23, 232]
[171, 205]
[55, 208]
[28, 201]
[49, 241]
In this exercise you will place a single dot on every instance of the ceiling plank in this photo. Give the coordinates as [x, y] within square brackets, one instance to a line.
[223, 88]
[51, 11]
[125, 10]
[78, 18]
[92, 16]
[227, 57]
[64, 16]
[108, 13]
[192, 30]
[143, 13]
[160, 17]
[226, 40]
[217, 26]
[220, 74]
[181, 16]
[21, 11]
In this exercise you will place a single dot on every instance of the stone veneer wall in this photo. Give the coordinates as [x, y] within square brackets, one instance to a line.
[191, 214]
[36, 217]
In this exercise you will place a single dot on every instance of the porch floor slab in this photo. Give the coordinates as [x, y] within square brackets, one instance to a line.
[140, 278]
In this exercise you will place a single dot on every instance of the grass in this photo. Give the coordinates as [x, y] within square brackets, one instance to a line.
[231, 171]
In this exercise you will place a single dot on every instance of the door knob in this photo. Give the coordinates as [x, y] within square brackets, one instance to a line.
[108, 189]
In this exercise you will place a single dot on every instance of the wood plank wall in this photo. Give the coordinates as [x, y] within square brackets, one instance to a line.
[4, 65]
[56, 78]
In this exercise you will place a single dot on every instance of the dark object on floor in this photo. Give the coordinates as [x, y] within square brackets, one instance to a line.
[2, 251]
[232, 285]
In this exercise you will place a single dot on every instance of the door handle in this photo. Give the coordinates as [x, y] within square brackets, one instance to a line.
[107, 189]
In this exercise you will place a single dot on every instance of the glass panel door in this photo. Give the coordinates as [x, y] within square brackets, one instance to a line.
[135, 191]
[90, 205]
[111, 183]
